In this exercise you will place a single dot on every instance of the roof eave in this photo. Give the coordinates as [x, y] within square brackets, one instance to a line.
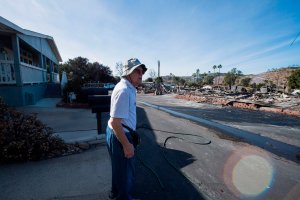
[16, 29]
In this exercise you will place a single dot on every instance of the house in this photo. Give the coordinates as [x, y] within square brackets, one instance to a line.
[29, 64]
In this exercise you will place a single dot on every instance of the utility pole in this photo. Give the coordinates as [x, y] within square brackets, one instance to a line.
[158, 62]
[197, 75]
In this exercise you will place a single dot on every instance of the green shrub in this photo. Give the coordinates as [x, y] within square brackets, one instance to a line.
[24, 137]
[294, 79]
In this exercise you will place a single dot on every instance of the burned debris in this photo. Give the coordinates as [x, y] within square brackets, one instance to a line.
[260, 94]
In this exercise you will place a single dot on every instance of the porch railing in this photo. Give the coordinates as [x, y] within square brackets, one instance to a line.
[7, 72]
[32, 74]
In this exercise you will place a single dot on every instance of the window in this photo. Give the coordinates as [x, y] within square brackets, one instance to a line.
[26, 57]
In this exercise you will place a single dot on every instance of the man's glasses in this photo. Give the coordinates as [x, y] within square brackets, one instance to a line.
[139, 71]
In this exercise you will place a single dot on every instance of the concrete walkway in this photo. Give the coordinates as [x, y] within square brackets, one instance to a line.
[84, 176]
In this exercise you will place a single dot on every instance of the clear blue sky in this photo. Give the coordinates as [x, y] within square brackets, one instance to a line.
[251, 35]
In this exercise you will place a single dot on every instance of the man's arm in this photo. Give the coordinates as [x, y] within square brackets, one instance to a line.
[128, 148]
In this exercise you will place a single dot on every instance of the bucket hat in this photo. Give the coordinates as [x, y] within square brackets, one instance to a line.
[131, 65]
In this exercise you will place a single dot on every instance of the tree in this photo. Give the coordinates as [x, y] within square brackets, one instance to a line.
[149, 79]
[158, 86]
[182, 82]
[75, 68]
[172, 77]
[200, 83]
[219, 67]
[231, 77]
[80, 71]
[294, 79]
[158, 80]
[152, 73]
[214, 67]
[99, 73]
[119, 68]
[176, 80]
[191, 84]
[208, 80]
[194, 75]
[245, 82]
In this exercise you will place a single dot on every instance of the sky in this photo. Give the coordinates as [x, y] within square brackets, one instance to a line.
[250, 35]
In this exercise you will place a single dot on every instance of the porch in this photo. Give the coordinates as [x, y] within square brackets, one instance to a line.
[29, 62]
[30, 74]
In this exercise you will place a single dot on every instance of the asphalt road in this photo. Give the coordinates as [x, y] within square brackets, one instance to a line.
[227, 168]
[277, 133]
[276, 126]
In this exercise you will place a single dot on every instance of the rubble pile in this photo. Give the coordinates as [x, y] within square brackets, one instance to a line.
[268, 102]
[24, 137]
[156, 89]
[146, 88]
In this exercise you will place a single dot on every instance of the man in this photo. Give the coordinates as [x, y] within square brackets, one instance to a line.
[118, 138]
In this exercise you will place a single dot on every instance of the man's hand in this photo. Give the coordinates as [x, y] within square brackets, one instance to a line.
[128, 150]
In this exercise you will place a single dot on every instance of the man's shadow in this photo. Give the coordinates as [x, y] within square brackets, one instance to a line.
[158, 168]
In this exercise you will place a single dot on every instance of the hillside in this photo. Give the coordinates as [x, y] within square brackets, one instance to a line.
[278, 77]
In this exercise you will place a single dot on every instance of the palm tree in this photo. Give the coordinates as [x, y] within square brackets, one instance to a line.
[219, 67]
[214, 67]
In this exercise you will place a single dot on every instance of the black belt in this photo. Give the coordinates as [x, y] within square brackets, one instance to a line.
[135, 136]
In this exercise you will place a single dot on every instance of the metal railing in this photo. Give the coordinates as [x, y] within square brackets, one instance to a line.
[89, 85]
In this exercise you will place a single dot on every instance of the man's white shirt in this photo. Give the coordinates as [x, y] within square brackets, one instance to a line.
[123, 103]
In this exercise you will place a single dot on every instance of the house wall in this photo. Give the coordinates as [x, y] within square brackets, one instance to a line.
[12, 95]
[33, 93]
[41, 45]
[25, 95]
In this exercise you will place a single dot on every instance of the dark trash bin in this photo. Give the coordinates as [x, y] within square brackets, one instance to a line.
[99, 104]
[85, 92]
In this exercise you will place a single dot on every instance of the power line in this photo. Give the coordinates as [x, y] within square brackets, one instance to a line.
[295, 39]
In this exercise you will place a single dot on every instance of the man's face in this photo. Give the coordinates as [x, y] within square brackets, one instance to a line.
[136, 76]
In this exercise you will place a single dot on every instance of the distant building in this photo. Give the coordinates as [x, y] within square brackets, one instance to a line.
[28, 64]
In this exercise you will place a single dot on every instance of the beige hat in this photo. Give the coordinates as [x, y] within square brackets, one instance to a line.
[131, 65]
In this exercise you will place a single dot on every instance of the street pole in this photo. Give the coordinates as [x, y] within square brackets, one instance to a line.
[158, 62]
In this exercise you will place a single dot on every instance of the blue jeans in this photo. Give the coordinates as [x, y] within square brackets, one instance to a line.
[123, 169]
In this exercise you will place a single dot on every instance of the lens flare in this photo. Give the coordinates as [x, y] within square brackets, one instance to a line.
[252, 175]
[248, 172]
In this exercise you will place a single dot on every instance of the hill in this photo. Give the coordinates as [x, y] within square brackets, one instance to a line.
[275, 76]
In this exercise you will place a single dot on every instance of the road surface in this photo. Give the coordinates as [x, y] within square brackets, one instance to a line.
[227, 168]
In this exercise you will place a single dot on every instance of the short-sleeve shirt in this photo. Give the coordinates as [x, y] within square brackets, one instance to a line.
[123, 103]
